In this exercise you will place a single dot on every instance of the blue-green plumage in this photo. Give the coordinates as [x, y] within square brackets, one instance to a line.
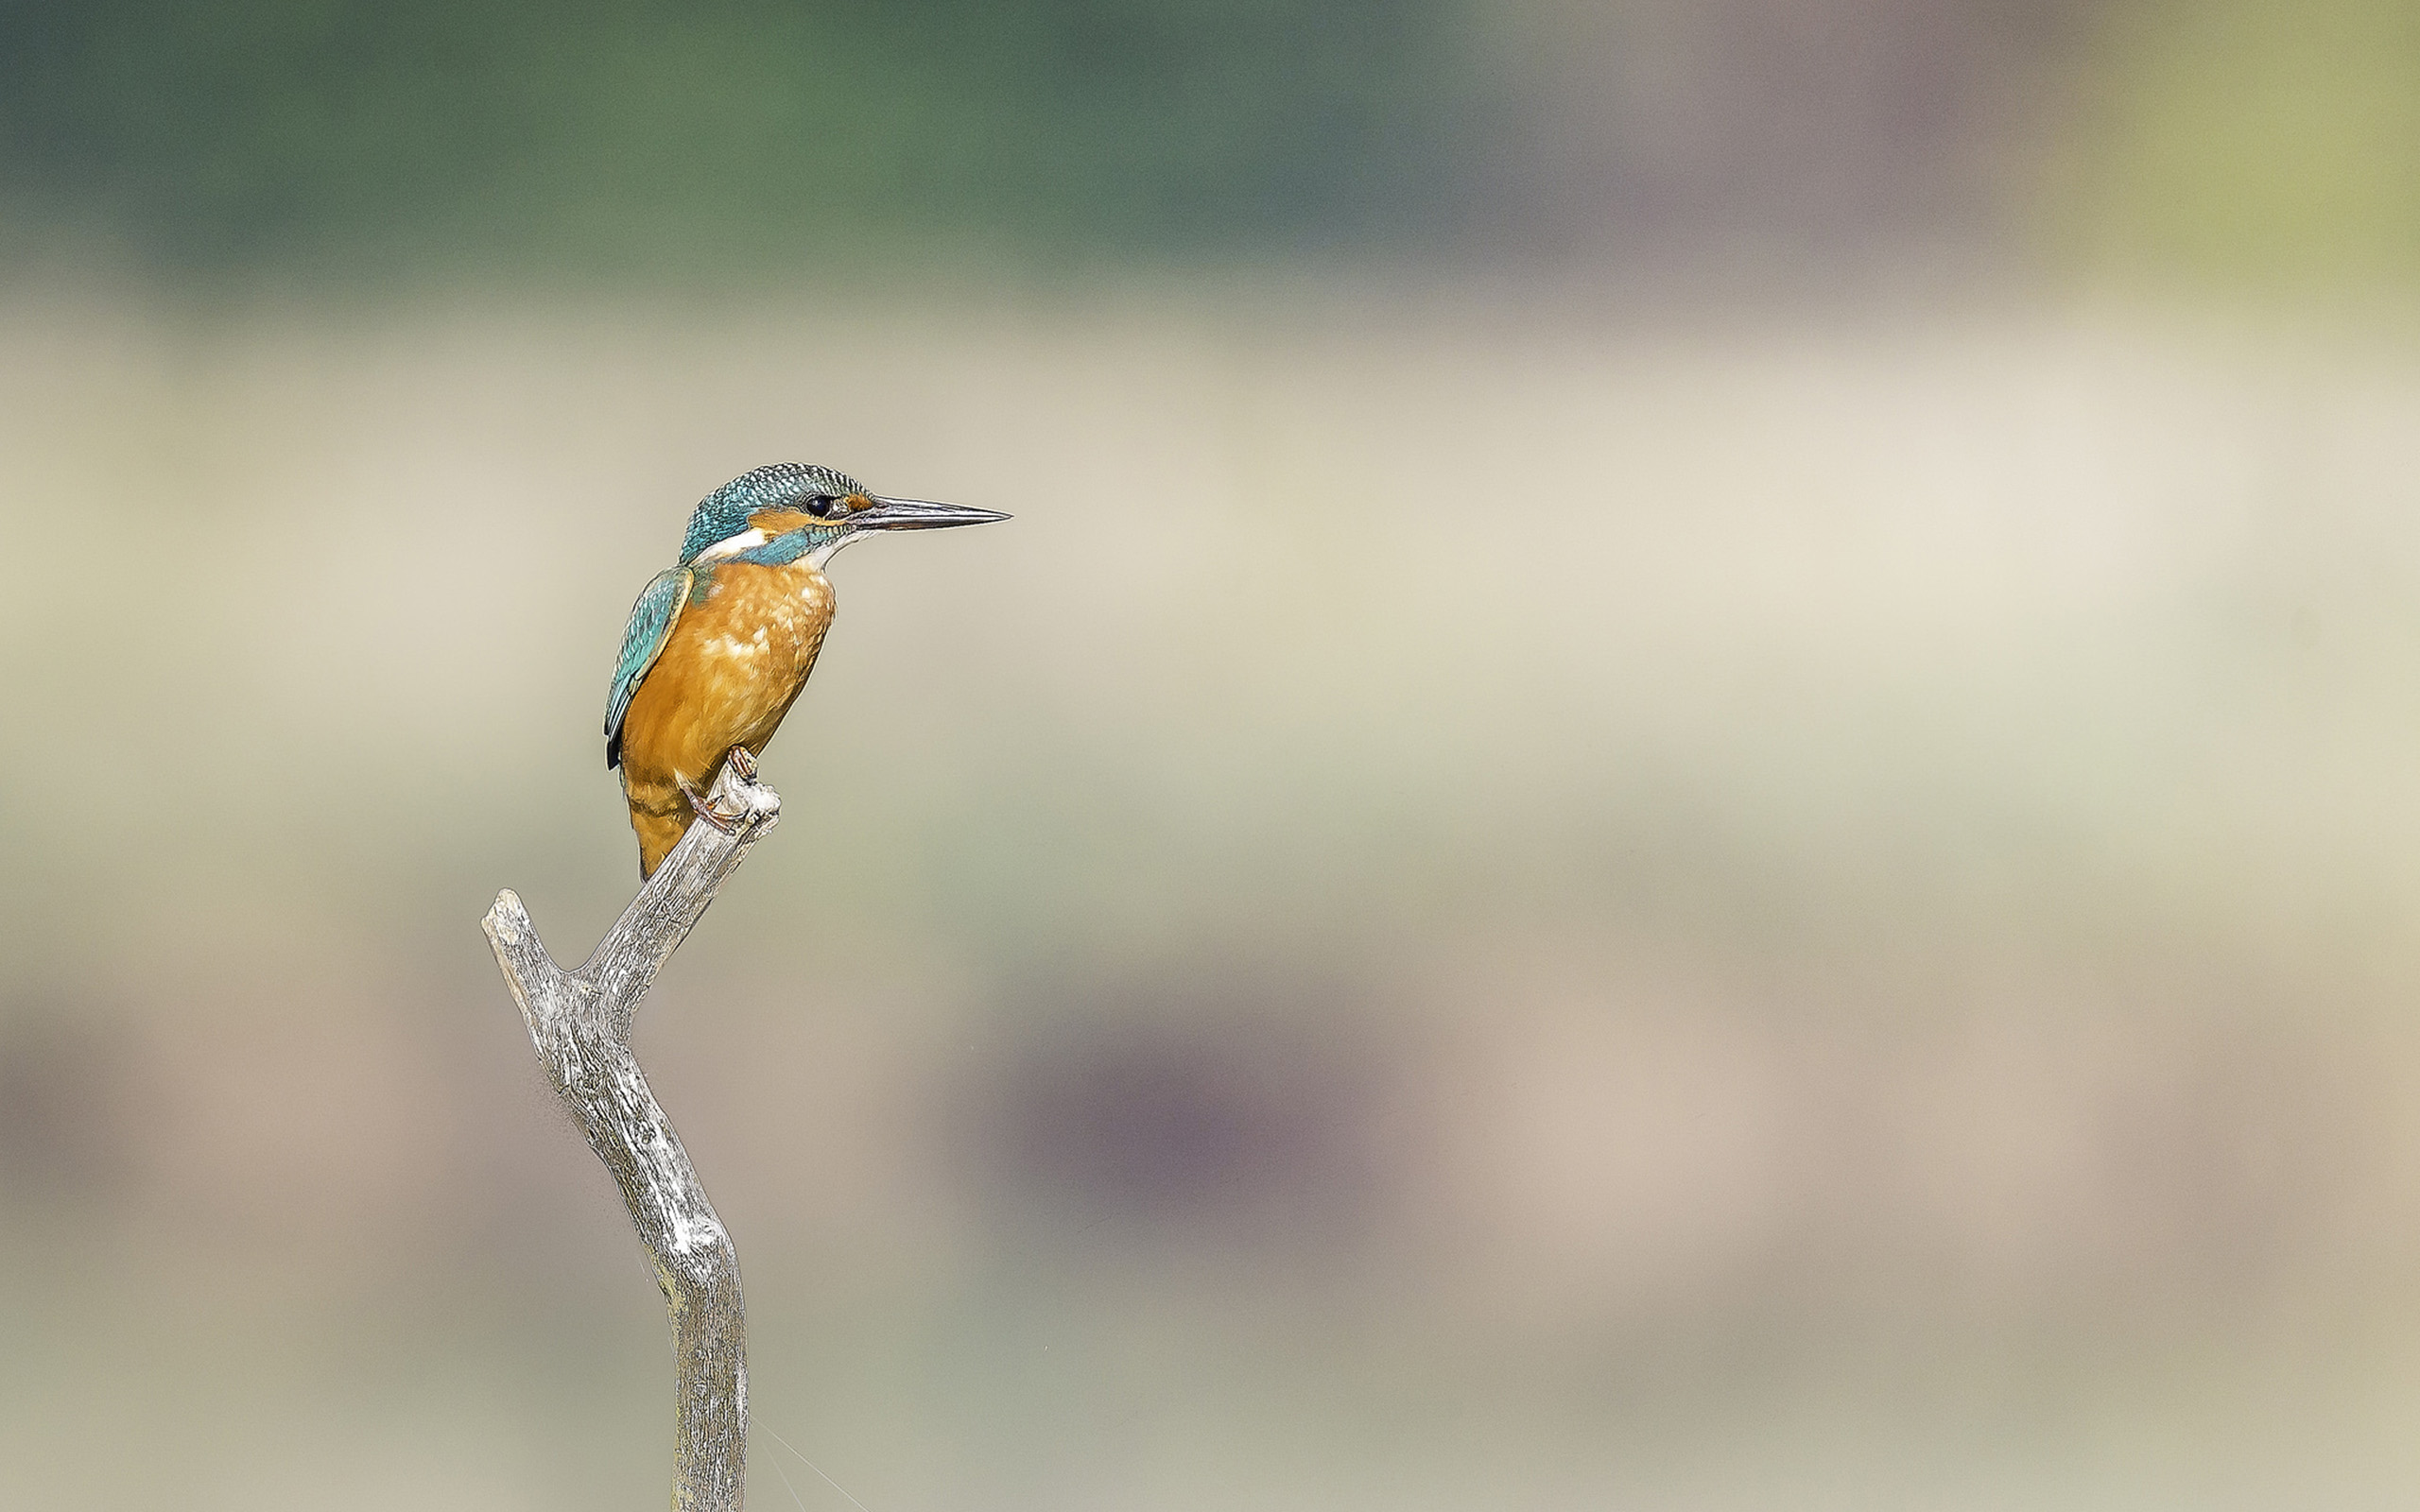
[650, 626]
[723, 513]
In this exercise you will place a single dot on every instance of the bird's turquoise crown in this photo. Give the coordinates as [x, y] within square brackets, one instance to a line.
[723, 513]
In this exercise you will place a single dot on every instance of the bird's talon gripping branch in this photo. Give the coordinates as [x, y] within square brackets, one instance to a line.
[705, 808]
[743, 765]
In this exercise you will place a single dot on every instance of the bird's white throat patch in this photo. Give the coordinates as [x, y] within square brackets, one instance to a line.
[824, 553]
[746, 540]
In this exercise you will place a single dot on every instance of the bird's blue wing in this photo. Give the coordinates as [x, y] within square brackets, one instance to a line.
[650, 626]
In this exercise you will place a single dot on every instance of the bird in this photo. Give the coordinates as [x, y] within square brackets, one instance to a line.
[720, 645]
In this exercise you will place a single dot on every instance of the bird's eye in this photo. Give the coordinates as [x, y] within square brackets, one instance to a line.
[819, 506]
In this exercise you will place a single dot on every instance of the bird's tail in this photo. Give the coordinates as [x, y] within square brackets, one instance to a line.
[659, 831]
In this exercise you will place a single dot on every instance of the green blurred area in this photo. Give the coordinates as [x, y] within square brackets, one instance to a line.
[638, 137]
[643, 143]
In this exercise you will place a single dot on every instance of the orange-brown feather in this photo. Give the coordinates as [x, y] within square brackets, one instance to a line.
[782, 522]
[730, 671]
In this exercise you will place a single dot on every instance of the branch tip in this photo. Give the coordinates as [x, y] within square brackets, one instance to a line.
[507, 919]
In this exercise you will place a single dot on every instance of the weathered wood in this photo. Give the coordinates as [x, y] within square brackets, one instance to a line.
[581, 1023]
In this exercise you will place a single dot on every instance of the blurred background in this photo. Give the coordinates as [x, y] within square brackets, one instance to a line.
[1693, 780]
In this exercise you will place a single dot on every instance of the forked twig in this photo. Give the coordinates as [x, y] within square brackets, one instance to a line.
[581, 1023]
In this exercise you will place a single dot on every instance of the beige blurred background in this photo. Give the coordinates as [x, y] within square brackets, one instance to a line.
[1692, 782]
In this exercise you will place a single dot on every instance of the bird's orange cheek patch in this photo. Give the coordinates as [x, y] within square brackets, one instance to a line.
[781, 522]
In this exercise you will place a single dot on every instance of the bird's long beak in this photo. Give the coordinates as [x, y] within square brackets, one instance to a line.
[918, 514]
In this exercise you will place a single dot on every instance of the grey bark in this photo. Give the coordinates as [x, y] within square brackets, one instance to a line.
[579, 1022]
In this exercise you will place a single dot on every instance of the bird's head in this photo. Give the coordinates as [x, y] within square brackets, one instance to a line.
[780, 513]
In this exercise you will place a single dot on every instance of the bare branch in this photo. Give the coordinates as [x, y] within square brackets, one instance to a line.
[581, 1023]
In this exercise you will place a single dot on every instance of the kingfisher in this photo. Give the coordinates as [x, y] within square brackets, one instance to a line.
[720, 645]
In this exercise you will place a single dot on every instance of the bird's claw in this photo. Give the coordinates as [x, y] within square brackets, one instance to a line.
[728, 823]
[743, 762]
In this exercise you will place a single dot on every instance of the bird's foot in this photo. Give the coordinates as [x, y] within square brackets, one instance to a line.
[743, 763]
[727, 822]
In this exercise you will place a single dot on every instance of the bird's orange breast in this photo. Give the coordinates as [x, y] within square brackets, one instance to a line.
[729, 672]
